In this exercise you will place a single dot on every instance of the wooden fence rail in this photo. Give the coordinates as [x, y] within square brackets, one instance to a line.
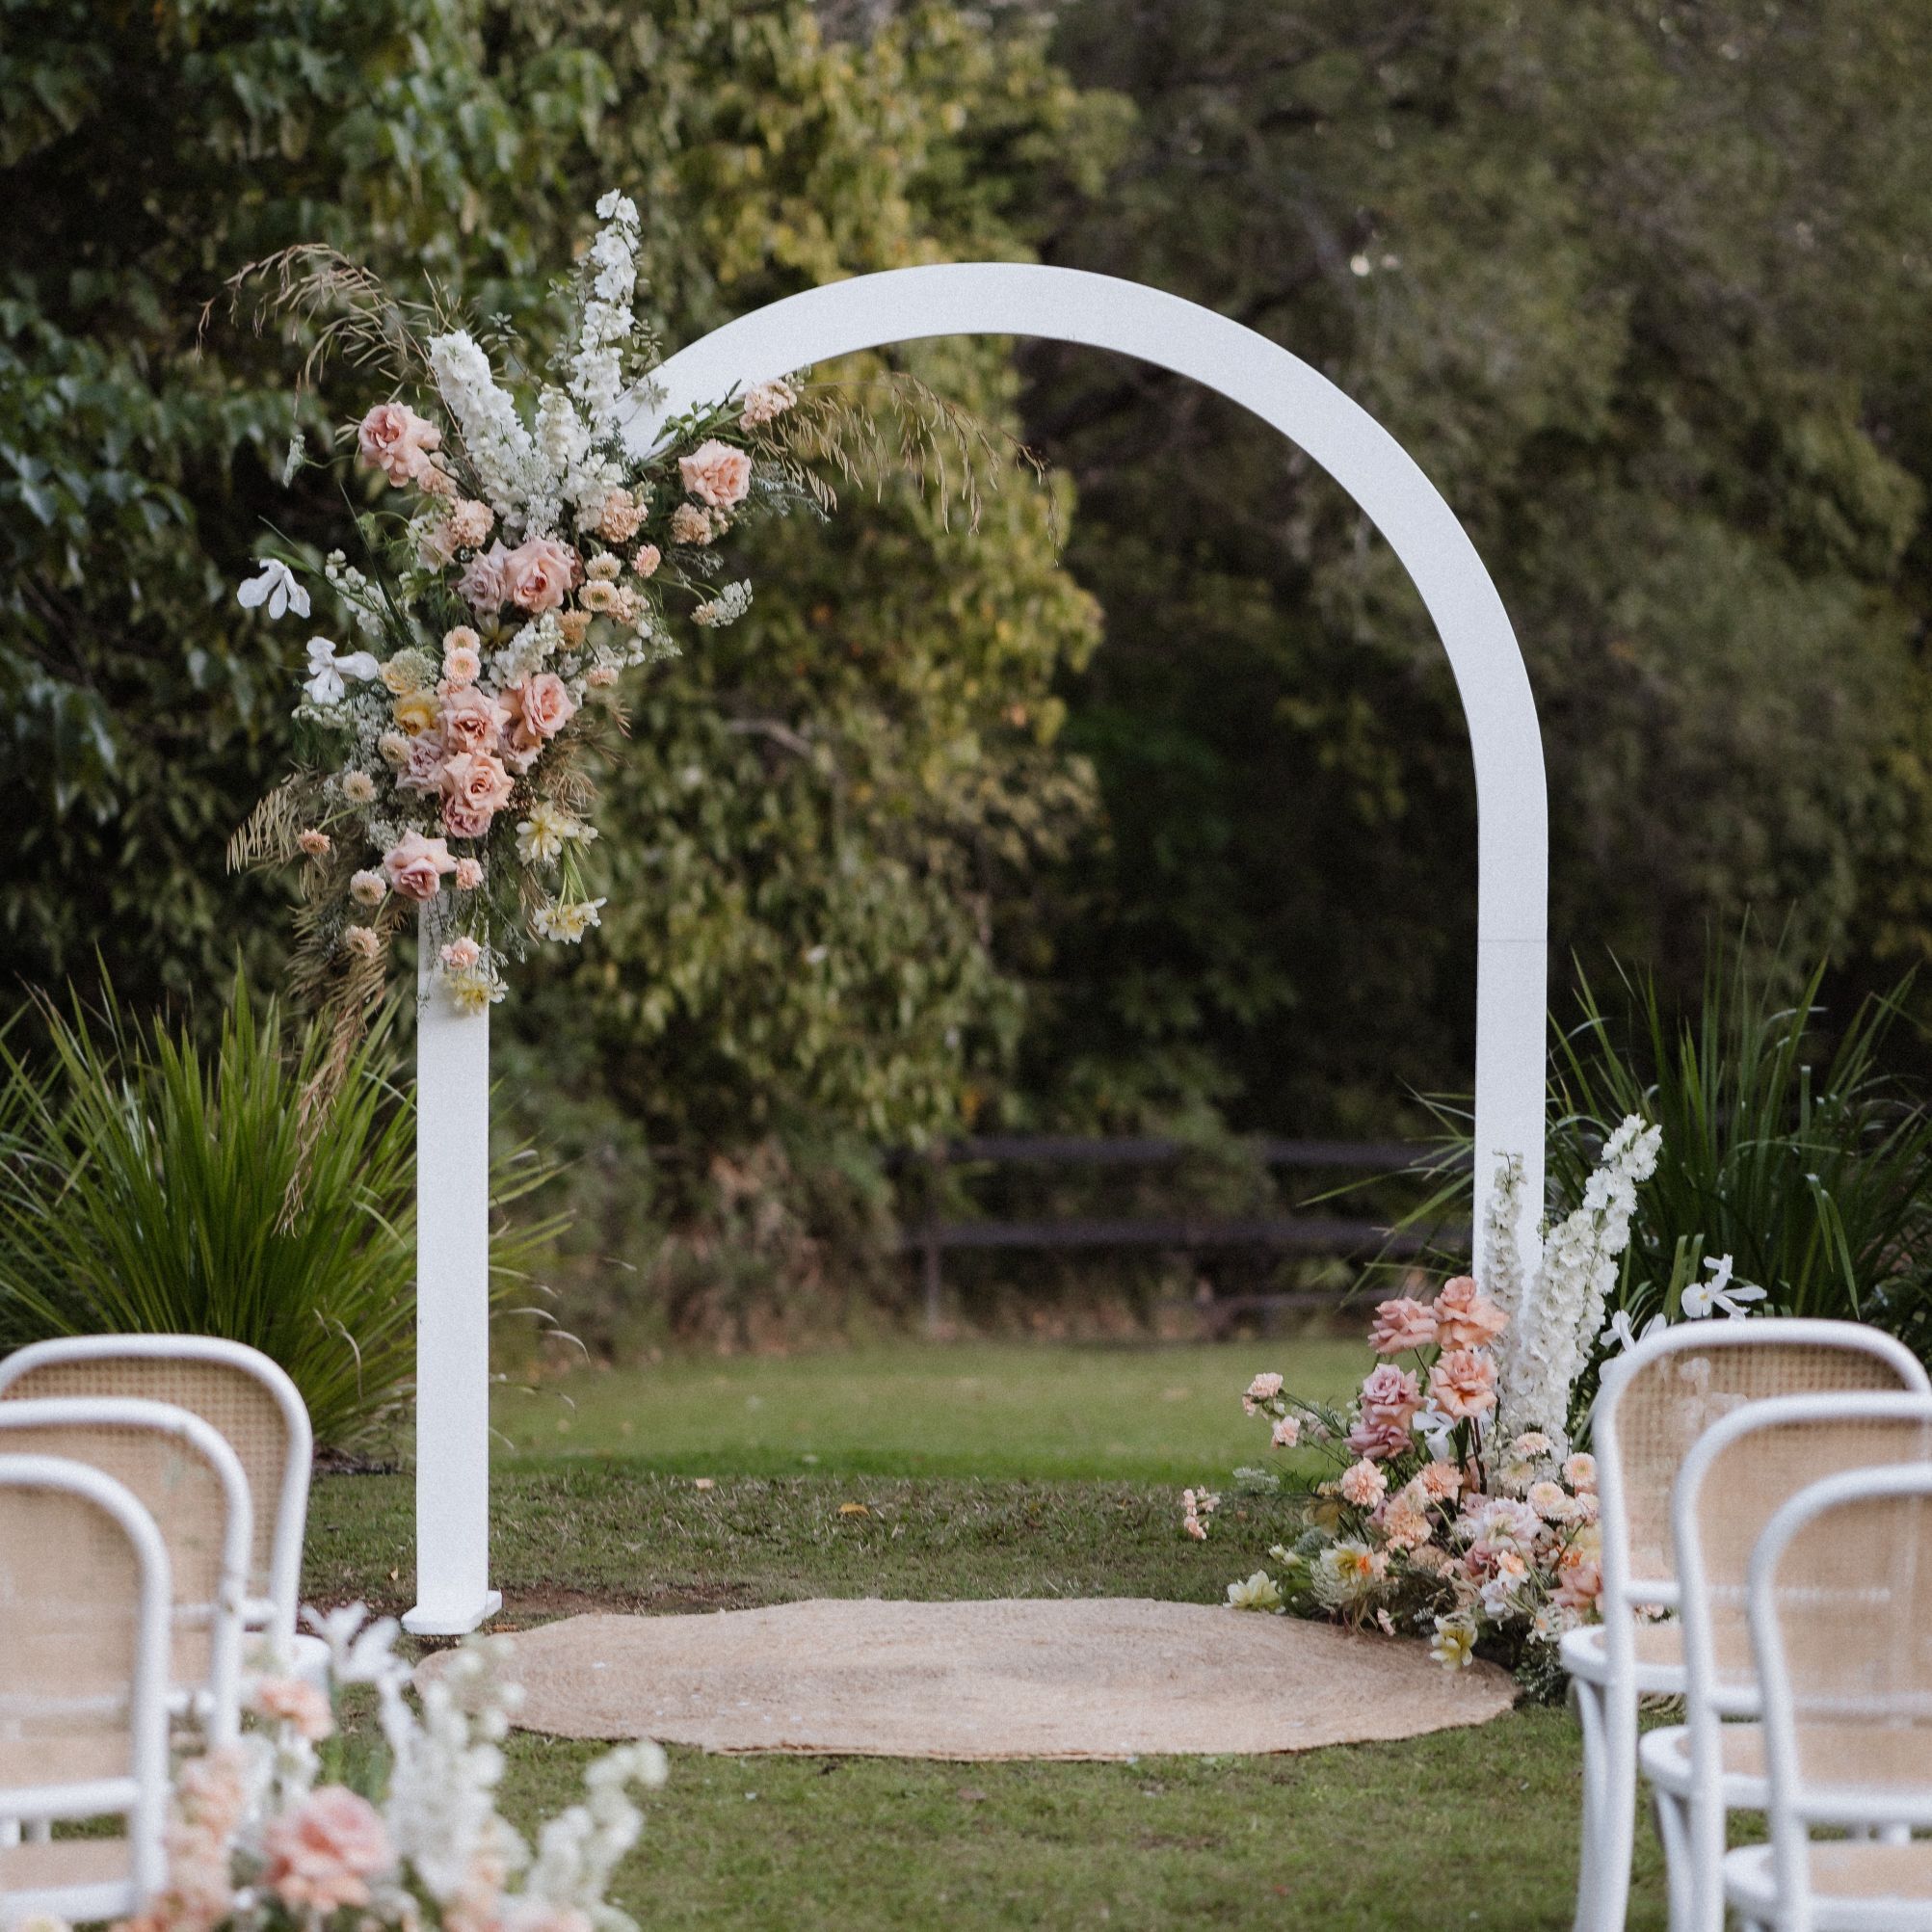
[1300, 1234]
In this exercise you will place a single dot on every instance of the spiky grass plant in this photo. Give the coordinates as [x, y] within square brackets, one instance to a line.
[1787, 1144]
[150, 1186]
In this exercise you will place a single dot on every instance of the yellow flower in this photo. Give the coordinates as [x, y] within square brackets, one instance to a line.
[1455, 1644]
[1258, 1593]
[417, 712]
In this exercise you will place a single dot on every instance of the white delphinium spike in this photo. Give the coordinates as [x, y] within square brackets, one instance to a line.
[517, 483]
[597, 368]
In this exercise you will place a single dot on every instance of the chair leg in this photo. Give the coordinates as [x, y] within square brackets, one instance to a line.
[1586, 1700]
[1604, 1900]
[1680, 1872]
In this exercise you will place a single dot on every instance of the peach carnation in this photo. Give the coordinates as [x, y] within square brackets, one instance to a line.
[1440, 1481]
[394, 439]
[1466, 1318]
[622, 515]
[691, 525]
[1462, 1384]
[538, 574]
[1362, 1484]
[647, 560]
[468, 875]
[459, 955]
[289, 1701]
[414, 865]
[322, 1854]
[1287, 1432]
[470, 523]
[1400, 1325]
[716, 473]
[1264, 1388]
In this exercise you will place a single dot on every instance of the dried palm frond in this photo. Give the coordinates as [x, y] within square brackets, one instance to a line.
[267, 836]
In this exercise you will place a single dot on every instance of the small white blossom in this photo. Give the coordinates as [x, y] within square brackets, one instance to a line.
[277, 588]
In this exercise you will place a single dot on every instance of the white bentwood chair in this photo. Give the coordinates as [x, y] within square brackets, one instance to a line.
[1839, 1603]
[1738, 1473]
[188, 1479]
[245, 1397]
[1653, 1405]
[84, 1613]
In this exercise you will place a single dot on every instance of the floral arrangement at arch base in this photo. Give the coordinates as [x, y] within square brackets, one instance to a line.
[286, 1830]
[1447, 1500]
[446, 727]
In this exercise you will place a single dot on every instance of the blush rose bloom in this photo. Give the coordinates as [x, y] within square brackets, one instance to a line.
[1462, 1384]
[716, 473]
[473, 720]
[475, 788]
[540, 708]
[1466, 1318]
[414, 866]
[1400, 1325]
[394, 439]
[481, 586]
[1378, 1438]
[1391, 1394]
[538, 574]
[324, 1853]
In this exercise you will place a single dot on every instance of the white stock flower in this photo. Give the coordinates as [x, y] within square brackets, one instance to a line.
[516, 481]
[277, 588]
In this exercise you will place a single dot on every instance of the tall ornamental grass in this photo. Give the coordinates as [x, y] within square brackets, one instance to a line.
[1787, 1145]
[150, 1186]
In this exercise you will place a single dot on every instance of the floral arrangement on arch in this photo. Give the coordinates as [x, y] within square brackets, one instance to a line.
[276, 1834]
[1446, 1500]
[529, 565]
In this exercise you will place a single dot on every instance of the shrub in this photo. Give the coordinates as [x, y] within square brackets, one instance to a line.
[1790, 1149]
[150, 1185]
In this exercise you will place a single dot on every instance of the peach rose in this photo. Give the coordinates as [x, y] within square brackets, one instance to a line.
[540, 708]
[716, 473]
[394, 439]
[1391, 1394]
[418, 713]
[1463, 1384]
[475, 788]
[538, 574]
[482, 584]
[1400, 1325]
[473, 720]
[290, 1701]
[1466, 1318]
[324, 1853]
[414, 865]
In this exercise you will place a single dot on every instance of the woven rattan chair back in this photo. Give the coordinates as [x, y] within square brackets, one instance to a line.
[84, 1614]
[1659, 1400]
[237, 1389]
[1840, 1613]
[191, 1484]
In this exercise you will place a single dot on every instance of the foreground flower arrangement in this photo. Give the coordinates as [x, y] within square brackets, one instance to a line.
[530, 564]
[261, 1841]
[1446, 1500]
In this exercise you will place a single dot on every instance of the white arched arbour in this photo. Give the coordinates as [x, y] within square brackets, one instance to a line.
[1099, 313]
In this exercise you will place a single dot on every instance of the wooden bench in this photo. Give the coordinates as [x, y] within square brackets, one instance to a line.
[932, 1237]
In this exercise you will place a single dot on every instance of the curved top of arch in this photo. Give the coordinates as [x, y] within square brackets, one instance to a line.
[1104, 312]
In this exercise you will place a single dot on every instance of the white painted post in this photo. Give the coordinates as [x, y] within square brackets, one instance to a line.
[453, 1592]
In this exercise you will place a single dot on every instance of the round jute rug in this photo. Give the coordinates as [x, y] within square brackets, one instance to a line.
[1098, 1678]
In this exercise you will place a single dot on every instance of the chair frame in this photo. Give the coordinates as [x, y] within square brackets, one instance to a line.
[273, 1615]
[215, 1702]
[142, 1796]
[1606, 1691]
[1792, 1811]
[1693, 1827]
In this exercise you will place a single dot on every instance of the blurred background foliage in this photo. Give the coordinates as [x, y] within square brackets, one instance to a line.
[1171, 831]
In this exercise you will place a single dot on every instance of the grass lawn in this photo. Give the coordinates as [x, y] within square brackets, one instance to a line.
[1467, 1827]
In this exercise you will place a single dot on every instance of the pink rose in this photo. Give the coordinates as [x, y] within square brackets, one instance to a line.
[1463, 1384]
[473, 720]
[1400, 1325]
[716, 473]
[538, 574]
[483, 586]
[540, 708]
[1466, 1318]
[324, 1853]
[1378, 1438]
[414, 865]
[394, 439]
[422, 765]
[475, 788]
[1391, 1394]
